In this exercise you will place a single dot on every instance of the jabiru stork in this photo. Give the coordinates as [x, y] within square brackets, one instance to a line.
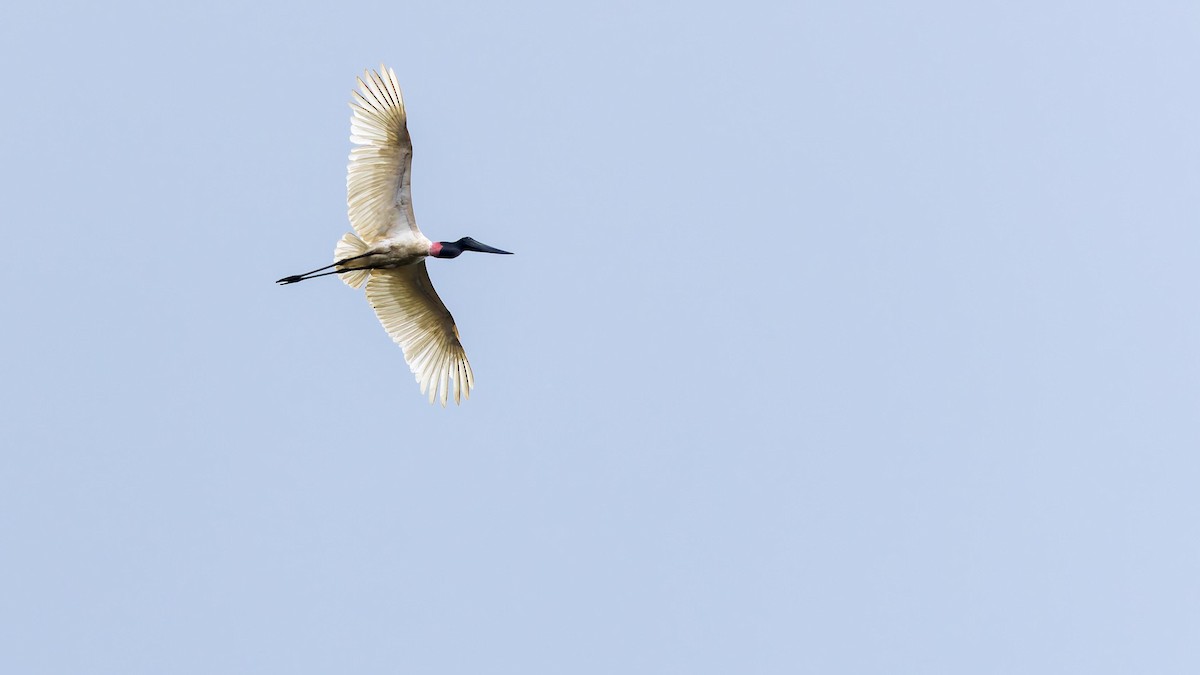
[387, 251]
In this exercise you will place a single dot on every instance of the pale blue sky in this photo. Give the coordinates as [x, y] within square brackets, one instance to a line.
[840, 338]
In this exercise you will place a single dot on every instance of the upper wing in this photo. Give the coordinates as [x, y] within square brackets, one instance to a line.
[413, 314]
[378, 192]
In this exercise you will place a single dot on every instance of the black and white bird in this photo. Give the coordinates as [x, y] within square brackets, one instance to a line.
[387, 251]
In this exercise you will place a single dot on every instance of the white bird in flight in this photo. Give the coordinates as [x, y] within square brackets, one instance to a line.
[387, 251]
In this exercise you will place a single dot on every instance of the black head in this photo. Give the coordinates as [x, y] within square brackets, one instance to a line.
[453, 249]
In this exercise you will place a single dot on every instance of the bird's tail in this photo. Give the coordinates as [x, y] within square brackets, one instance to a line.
[349, 247]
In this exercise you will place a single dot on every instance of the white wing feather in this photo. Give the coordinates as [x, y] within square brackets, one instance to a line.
[378, 189]
[413, 314]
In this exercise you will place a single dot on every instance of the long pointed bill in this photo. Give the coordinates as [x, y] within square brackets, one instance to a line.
[470, 244]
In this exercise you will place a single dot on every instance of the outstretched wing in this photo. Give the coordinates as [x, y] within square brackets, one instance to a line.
[378, 192]
[413, 314]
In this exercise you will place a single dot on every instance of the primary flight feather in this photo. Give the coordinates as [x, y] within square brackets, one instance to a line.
[387, 251]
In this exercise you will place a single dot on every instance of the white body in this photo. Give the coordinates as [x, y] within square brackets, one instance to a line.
[379, 197]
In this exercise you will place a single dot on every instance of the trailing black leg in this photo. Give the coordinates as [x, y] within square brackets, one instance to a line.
[313, 274]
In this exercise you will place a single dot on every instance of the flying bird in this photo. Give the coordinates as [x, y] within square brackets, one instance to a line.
[387, 251]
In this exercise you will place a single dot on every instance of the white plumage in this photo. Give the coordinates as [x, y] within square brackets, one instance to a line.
[387, 251]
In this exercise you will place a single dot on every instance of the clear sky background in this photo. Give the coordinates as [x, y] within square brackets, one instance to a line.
[853, 337]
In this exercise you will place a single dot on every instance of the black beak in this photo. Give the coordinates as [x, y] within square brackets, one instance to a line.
[469, 244]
